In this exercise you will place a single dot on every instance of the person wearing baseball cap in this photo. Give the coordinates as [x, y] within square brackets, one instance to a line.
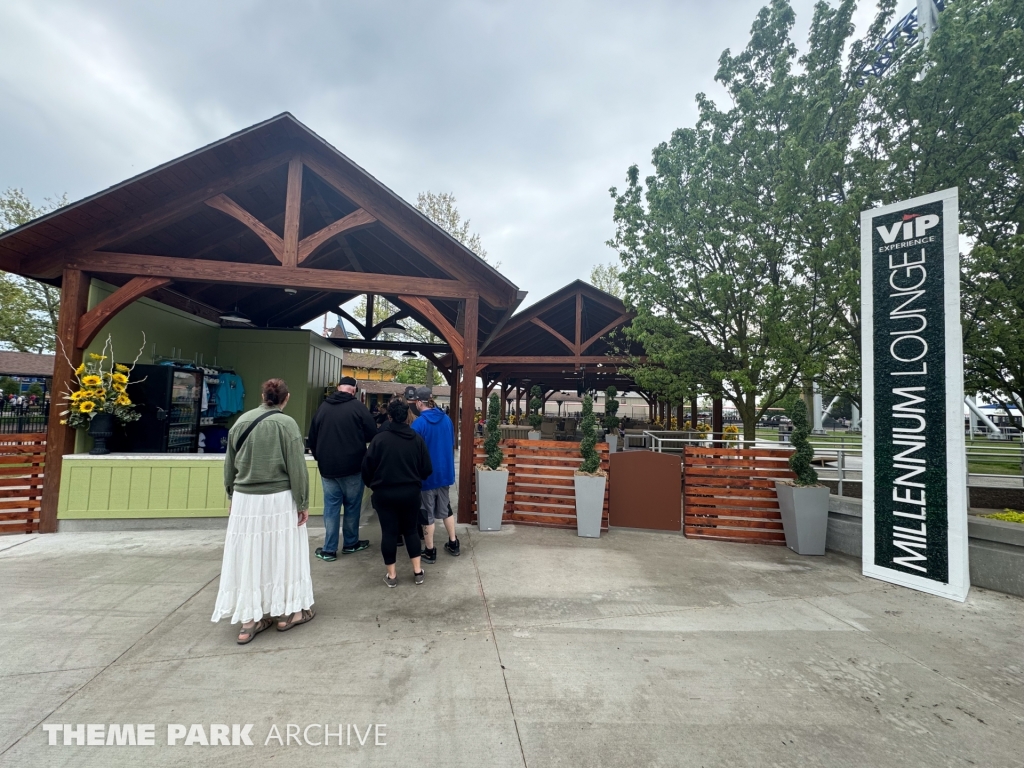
[341, 428]
[438, 433]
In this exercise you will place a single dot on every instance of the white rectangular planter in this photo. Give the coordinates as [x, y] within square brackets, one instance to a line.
[490, 498]
[589, 504]
[532, 435]
[804, 517]
[613, 442]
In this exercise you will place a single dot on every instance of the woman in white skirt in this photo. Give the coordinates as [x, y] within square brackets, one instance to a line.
[265, 572]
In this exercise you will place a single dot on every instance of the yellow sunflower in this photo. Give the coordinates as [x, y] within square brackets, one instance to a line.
[76, 396]
[123, 400]
[94, 356]
[122, 368]
[87, 406]
[92, 380]
[120, 378]
[80, 370]
[118, 387]
[63, 422]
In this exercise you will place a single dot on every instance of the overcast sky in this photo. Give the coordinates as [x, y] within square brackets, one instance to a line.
[527, 111]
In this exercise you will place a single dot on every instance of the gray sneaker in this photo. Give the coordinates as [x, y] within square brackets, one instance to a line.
[391, 582]
[418, 577]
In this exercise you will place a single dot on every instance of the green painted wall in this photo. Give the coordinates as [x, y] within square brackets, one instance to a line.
[302, 358]
[166, 328]
[137, 488]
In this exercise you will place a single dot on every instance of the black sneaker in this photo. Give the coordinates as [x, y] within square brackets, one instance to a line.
[391, 582]
[329, 557]
[359, 547]
[429, 555]
[452, 548]
[418, 578]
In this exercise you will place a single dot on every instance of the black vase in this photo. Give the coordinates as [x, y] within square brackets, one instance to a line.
[100, 428]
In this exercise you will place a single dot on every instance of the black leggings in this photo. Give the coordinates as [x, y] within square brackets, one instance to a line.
[398, 516]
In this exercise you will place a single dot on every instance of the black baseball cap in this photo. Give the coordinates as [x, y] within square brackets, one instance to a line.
[423, 394]
[410, 393]
[347, 381]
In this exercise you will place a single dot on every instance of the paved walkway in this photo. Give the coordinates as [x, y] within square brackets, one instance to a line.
[534, 648]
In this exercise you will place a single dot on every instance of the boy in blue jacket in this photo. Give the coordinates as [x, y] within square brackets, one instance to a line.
[435, 427]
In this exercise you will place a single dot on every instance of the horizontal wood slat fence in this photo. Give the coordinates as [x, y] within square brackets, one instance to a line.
[729, 494]
[541, 489]
[21, 481]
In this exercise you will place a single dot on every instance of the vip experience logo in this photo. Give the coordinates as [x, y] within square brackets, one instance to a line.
[914, 228]
[214, 735]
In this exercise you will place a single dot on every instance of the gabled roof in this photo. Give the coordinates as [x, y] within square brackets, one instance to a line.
[26, 364]
[167, 212]
[375, 362]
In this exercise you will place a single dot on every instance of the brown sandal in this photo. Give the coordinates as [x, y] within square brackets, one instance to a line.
[307, 615]
[265, 623]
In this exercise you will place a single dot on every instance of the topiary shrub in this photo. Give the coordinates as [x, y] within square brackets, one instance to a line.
[803, 452]
[591, 461]
[493, 435]
[536, 418]
[611, 408]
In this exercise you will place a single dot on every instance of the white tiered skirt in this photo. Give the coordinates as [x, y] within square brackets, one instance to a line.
[266, 560]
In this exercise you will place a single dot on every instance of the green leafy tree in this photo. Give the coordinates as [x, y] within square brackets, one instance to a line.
[536, 418]
[952, 114]
[611, 408]
[708, 241]
[28, 308]
[492, 446]
[606, 277]
[440, 207]
[803, 452]
[9, 386]
[591, 461]
[414, 371]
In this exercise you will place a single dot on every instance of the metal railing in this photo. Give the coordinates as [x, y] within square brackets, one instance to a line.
[836, 459]
[19, 419]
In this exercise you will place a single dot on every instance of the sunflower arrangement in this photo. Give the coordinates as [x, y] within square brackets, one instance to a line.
[101, 389]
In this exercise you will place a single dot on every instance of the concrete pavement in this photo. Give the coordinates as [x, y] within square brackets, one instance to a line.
[534, 648]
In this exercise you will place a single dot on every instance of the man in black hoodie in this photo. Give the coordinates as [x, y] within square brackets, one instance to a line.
[341, 428]
[395, 467]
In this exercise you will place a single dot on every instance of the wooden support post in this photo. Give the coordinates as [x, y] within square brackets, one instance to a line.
[717, 420]
[60, 440]
[694, 413]
[292, 204]
[466, 417]
[504, 402]
[454, 409]
[680, 415]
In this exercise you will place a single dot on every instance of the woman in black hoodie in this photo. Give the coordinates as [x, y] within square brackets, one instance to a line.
[396, 464]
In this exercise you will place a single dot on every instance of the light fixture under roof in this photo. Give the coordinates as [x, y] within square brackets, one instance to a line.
[409, 354]
[392, 325]
[235, 317]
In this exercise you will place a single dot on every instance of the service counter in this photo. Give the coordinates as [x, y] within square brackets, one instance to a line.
[144, 485]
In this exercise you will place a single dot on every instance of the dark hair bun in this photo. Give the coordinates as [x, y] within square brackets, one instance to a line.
[398, 411]
[274, 391]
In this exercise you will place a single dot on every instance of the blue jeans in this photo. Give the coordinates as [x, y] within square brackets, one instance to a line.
[339, 490]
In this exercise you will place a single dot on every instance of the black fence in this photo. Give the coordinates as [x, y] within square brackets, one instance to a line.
[19, 419]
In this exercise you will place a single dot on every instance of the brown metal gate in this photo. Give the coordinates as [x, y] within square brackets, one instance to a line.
[729, 493]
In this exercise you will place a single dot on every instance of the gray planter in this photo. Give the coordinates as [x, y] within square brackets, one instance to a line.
[490, 498]
[804, 517]
[533, 435]
[589, 504]
[613, 442]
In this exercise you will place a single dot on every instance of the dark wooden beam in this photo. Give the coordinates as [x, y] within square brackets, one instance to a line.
[396, 346]
[292, 214]
[556, 360]
[225, 272]
[440, 322]
[225, 204]
[93, 320]
[578, 349]
[152, 218]
[541, 324]
[620, 320]
[354, 220]
[443, 256]
[468, 411]
[60, 439]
